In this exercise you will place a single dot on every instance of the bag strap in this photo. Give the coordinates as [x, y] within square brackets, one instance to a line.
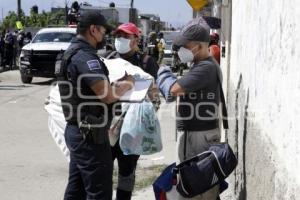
[217, 166]
[111, 55]
[62, 61]
[121, 118]
[224, 108]
[145, 60]
[177, 167]
[184, 144]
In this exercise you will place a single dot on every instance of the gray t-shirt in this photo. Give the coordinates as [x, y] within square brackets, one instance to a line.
[198, 108]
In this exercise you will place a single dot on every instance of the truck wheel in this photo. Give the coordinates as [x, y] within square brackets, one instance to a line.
[25, 79]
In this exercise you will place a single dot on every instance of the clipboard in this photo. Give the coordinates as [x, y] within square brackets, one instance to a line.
[138, 92]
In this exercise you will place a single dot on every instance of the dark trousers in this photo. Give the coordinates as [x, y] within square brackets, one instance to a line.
[127, 165]
[1, 56]
[8, 55]
[90, 170]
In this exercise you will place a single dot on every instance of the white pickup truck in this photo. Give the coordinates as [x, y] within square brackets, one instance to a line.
[37, 59]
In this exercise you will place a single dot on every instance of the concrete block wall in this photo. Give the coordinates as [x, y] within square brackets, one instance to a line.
[264, 99]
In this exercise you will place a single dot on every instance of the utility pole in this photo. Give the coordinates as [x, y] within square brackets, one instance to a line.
[66, 12]
[131, 3]
[131, 15]
[19, 9]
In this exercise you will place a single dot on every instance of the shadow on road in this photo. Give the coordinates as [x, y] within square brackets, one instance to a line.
[48, 82]
[5, 69]
[14, 87]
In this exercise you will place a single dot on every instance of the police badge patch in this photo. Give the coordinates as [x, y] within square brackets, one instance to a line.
[93, 64]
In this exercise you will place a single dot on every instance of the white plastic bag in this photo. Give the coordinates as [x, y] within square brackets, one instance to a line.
[140, 133]
[56, 120]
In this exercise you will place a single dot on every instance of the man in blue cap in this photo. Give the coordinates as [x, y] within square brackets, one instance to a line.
[87, 99]
[199, 95]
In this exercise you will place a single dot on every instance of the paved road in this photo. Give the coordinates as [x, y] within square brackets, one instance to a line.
[31, 166]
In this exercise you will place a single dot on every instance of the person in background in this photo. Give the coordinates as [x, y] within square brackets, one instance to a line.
[73, 13]
[27, 38]
[15, 47]
[141, 44]
[20, 39]
[214, 47]
[9, 49]
[2, 44]
[161, 44]
[152, 48]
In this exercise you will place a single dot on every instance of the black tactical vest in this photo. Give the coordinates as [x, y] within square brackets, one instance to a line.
[71, 101]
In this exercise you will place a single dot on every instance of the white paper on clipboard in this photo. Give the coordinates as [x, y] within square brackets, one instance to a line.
[138, 92]
[118, 68]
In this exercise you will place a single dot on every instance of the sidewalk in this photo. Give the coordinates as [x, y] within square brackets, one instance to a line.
[144, 194]
[7, 68]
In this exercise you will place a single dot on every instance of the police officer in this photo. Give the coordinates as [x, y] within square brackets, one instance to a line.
[126, 44]
[152, 48]
[87, 98]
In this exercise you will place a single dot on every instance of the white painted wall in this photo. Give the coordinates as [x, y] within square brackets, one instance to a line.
[265, 72]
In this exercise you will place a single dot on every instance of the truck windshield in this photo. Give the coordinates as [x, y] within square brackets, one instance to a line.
[53, 37]
[168, 45]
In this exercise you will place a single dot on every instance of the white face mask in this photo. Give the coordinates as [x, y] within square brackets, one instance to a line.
[185, 55]
[122, 45]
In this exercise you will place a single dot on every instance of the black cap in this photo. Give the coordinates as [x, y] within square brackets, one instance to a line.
[93, 17]
[196, 30]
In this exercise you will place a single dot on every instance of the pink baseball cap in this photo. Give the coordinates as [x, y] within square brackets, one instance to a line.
[129, 28]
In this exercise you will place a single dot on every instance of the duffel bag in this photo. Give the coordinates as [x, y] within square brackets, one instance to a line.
[202, 172]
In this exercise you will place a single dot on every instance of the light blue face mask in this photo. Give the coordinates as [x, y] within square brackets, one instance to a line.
[122, 45]
[185, 55]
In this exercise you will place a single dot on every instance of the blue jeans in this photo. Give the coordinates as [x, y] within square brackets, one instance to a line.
[90, 170]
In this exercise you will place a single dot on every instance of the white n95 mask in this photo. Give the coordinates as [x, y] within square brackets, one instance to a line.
[185, 55]
[122, 45]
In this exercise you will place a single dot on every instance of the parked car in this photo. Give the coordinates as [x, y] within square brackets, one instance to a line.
[168, 58]
[37, 59]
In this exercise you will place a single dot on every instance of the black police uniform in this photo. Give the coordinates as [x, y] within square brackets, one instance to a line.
[127, 163]
[90, 172]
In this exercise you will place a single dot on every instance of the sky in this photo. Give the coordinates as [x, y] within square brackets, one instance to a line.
[176, 12]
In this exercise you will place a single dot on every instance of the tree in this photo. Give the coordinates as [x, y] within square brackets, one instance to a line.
[57, 18]
[44, 19]
[9, 21]
[19, 8]
[131, 3]
[34, 9]
[34, 19]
